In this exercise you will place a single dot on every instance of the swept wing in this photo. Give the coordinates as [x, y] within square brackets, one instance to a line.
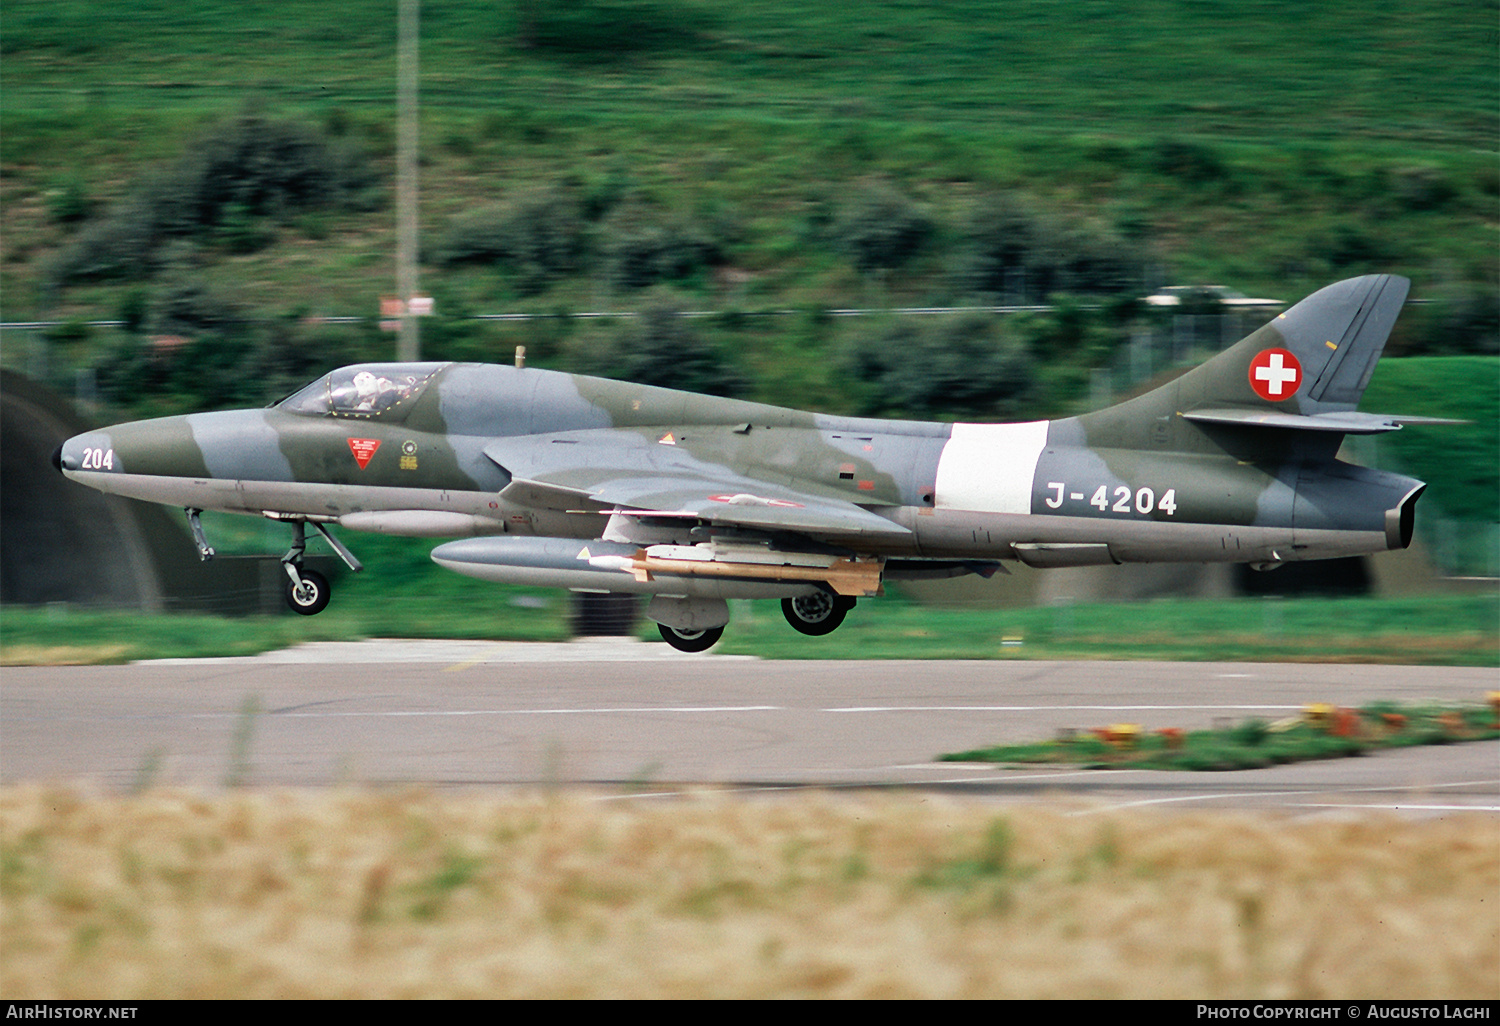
[634, 475]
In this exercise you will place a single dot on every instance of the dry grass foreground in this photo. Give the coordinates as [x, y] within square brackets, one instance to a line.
[381, 894]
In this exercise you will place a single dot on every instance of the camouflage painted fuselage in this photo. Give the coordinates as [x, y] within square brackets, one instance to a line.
[1235, 461]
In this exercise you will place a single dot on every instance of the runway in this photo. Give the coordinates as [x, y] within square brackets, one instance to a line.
[625, 718]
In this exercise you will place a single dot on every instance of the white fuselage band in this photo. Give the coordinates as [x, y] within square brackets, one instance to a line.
[989, 468]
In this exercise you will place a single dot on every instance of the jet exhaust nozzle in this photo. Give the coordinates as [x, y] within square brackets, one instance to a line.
[1401, 521]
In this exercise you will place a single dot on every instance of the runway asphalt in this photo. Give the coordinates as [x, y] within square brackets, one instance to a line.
[622, 716]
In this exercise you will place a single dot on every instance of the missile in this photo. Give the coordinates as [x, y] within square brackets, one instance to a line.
[602, 566]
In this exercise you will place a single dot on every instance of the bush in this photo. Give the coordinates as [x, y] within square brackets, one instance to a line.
[879, 228]
[188, 305]
[642, 247]
[611, 29]
[538, 237]
[1003, 246]
[290, 352]
[238, 172]
[214, 370]
[274, 167]
[1461, 317]
[1421, 187]
[68, 201]
[660, 347]
[952, 366]
[204, 354]
[1014, 253]
[1192, 163]
[121, 244]
[1353, 245]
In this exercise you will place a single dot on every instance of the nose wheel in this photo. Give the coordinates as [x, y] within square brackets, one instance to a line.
[309, 594]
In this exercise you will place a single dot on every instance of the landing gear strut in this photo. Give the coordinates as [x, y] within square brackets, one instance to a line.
[816, 614]
[307, 591]
[205, 550]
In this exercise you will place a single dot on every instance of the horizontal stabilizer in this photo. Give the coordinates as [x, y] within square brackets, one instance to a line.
[1346, 422]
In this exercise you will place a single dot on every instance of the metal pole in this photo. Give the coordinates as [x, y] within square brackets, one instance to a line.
[408, 343]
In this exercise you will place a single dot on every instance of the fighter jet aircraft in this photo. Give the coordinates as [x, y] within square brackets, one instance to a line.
[595, 485]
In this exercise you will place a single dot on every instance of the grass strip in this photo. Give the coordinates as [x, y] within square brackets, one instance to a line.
[1453, 630]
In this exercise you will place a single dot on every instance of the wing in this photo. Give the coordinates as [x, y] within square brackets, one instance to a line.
[633, 474]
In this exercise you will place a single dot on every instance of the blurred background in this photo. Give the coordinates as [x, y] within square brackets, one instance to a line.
[966, 210]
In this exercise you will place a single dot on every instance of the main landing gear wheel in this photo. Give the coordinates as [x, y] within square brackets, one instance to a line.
[816, 614]
[691, 641]
[309, 597]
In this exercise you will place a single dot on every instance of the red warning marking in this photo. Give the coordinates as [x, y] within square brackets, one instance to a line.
[753, 500]
[363, 449]
[1275, 374]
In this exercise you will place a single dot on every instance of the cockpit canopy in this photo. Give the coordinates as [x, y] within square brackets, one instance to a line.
[383, 390]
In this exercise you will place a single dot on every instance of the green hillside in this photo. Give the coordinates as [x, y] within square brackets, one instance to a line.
[1269, 71]
[1461, 461]
[221, 173]
[1456, 516]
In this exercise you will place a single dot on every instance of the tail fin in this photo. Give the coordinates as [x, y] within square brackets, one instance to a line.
[1307, 368]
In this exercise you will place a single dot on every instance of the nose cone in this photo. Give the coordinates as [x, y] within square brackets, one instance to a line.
[115, 459]
[164, 447]
[191, 460]
[83, 454]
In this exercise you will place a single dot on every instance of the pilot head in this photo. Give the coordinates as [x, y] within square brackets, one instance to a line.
[365, 385]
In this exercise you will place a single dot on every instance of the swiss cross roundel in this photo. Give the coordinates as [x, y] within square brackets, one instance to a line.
[1275, 374]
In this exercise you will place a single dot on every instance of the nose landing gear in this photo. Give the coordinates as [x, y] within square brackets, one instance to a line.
[307, 591]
